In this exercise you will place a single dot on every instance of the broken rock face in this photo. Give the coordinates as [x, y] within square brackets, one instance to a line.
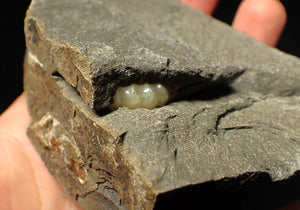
[99, 45]
[240, 133]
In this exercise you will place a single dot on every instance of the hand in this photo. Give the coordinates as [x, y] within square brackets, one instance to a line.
[262, 19]
[25, 182]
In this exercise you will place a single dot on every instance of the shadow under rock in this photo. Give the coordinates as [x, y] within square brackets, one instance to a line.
[247, 191]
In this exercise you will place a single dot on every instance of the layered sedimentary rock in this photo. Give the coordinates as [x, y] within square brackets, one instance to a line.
[99, 45]
[236, 138]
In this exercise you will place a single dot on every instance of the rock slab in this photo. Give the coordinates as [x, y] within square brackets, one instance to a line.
[238, 140]
[99, 45]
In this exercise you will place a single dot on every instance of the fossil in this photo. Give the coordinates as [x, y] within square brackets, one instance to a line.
[141, 96]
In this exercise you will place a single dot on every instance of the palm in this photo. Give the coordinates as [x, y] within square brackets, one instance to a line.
[25, 182]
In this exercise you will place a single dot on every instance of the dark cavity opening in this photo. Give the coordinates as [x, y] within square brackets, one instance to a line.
[188, 91]
[207, 92]
[57, 74]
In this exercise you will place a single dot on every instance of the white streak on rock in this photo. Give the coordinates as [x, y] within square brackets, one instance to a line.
[32, 59]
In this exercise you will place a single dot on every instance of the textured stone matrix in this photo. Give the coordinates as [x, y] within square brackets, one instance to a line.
[237, 140]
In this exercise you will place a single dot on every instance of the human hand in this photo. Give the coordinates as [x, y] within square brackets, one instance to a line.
[264, 20]
[25, 182]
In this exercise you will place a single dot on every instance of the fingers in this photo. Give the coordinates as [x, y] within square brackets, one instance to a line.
[262, 19]
[207, 6]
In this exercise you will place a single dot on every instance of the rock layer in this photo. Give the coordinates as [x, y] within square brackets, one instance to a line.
[99, 45]
[236, 140]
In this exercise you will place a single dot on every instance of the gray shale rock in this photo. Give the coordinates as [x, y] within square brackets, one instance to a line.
[98, 45]
[235, 145]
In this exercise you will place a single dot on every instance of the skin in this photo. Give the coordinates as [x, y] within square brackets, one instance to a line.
[25, 182]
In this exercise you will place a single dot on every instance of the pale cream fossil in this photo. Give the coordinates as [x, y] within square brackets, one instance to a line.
[141, 96]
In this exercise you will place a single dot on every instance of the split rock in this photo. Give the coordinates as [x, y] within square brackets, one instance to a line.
[238, 142]
[99, 45]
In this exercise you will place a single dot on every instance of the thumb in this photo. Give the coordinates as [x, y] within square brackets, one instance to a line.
[25, 182]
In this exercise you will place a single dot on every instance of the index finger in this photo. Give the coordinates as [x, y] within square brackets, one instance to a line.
[207, 6]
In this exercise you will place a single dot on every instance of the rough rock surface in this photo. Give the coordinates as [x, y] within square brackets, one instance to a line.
[98, 45]
[238, 141]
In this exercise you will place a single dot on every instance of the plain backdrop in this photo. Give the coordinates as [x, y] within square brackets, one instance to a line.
[13, 42]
